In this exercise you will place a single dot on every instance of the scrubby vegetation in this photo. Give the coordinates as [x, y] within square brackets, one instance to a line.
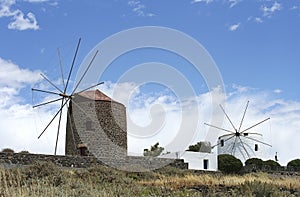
[254, 161]
[7, 150]
[154, 151]
[200, 147]
[273, 165]
[229, 164]
[24, 152]
[294, 164]
[46, 179]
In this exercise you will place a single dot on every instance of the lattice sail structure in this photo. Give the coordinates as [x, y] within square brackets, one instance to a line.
[64, 94]
[239, 142]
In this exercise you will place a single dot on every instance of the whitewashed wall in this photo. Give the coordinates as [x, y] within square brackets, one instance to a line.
[196, 159]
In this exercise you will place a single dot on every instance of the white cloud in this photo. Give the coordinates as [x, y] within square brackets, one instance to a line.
[255, 19]
[277, 91]
[268, 11]
[258, 20]
[139, 8]
[200, 1]
[20, 125]
[294, 7]
[241, 89]
[234, 27]
[11, 75]
[36, 1]
[19, 20]
[22, 22]
[282, 132]
[233, 2]
[17, 124]
[5, 8]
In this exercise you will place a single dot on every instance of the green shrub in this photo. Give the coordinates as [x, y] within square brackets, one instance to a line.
[45, 171]
[155, 151]
[256, 188]
[272, 164]
[7, 150]
[254, 161]
[294, 164]
[195, 148]
[229, 164]
[200, 147]
[42, 169]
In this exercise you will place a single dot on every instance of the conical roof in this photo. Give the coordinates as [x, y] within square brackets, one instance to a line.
[96, 95]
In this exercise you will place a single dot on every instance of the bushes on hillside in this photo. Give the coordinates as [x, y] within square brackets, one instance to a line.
[200, 147]
[254, 161]
[272, 164]
[263, 165]
[229, 164]
[154, 151]
[24, 152]
[7, 150]
[294, 164]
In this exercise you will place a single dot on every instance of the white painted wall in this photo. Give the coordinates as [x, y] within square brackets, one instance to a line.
[242, 147]
[196, 159]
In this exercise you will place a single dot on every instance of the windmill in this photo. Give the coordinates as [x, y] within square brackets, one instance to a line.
[64, 95]
[239, 142]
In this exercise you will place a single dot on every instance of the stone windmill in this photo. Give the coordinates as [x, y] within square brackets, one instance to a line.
[95, 122]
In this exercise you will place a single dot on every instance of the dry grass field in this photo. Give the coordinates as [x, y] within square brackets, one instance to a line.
[45, 179]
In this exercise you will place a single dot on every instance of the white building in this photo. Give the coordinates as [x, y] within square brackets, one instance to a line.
[243, 147]
[196, 160]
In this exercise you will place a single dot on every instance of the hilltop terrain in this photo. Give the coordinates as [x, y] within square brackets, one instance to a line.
[46, 179]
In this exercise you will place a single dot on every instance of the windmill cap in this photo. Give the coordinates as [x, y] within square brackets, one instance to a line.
[96, 95]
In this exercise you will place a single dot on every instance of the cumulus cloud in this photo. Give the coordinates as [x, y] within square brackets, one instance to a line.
[12, 75]
[20, 21]
[17, 126]
[169, 118]
[234, 27]
[268, 11]
[12, 80]
[282, 131]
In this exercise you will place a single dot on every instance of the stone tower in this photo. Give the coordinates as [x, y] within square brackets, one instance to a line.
[96, 124]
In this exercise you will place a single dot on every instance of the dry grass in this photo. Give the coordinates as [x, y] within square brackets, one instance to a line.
[45, 179]
[190, 180]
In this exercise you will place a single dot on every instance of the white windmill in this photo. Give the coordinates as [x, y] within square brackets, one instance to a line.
[241, 143]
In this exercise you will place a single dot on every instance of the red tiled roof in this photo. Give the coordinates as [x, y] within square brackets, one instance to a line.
[96, 95]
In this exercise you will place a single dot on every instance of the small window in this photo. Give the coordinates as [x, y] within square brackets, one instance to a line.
[222, 143]
[89, 125]
[82, 150]
[245, 134]
[256, 147]
[205, 164]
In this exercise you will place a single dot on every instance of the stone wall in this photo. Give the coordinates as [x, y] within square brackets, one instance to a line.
[271, 169]
[82, 161]
[99, 125]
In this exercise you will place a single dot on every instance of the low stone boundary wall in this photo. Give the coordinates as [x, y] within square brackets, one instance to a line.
[283, 170]
[85, 161]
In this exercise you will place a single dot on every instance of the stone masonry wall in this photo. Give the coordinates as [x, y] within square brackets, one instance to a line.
[107, 132]
[77, 161]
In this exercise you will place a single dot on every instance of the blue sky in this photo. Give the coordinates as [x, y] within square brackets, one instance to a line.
[255, 45]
